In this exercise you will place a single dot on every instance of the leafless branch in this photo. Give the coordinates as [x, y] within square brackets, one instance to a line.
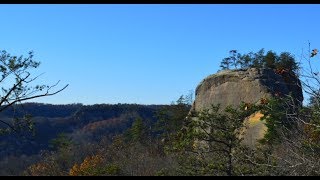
[37, 96]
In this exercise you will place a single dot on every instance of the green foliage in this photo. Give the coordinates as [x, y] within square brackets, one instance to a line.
[257, 59]
[274, 116]
[225, 63]
[260, 60]
[270, 59]
[171, 118]
[112, 169]
[232, 60]
[286, 60]
[61, 142]
[210, 143]
[279, 115]
[138, 131]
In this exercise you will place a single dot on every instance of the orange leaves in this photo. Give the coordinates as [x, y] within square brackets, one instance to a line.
[37, 169]
[94, 166]
[282, 71]
[88, 167]
[75, 170]
[263, 101]
[314, 52]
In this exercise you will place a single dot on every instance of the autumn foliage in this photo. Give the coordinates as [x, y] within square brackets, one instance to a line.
[93, 166]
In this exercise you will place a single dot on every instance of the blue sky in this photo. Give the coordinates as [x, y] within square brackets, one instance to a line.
[146, 54]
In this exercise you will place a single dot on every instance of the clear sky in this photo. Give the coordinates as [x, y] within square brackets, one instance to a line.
[146, 54]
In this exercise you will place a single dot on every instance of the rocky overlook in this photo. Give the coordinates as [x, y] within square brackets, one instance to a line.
[231, 87]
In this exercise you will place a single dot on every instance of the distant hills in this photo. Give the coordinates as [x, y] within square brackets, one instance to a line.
[83, 123]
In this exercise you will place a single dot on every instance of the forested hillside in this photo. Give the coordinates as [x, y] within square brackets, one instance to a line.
[83, 123]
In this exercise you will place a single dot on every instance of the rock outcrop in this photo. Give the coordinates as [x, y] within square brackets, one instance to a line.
[231, 87]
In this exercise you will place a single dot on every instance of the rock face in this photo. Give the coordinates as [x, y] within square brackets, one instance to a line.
[231, 87]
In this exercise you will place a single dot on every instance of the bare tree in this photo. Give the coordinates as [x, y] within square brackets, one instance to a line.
[296, 148]
[297, 129]
[310, 74]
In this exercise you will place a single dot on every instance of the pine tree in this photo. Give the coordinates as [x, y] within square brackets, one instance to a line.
[225, 63]
[270, 59]
[138, 130]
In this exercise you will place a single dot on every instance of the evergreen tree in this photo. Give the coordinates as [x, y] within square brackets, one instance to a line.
[138, 130]
[232, 60]
[210, 144]
[257, 60]
[234, 56]
[225, 63]
[245, 61]
[287, 61]
[270, 59]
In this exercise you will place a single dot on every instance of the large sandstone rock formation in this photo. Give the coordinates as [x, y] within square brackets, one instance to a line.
[231, 87]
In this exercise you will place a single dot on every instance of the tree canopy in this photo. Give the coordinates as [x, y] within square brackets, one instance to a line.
[283, 62]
